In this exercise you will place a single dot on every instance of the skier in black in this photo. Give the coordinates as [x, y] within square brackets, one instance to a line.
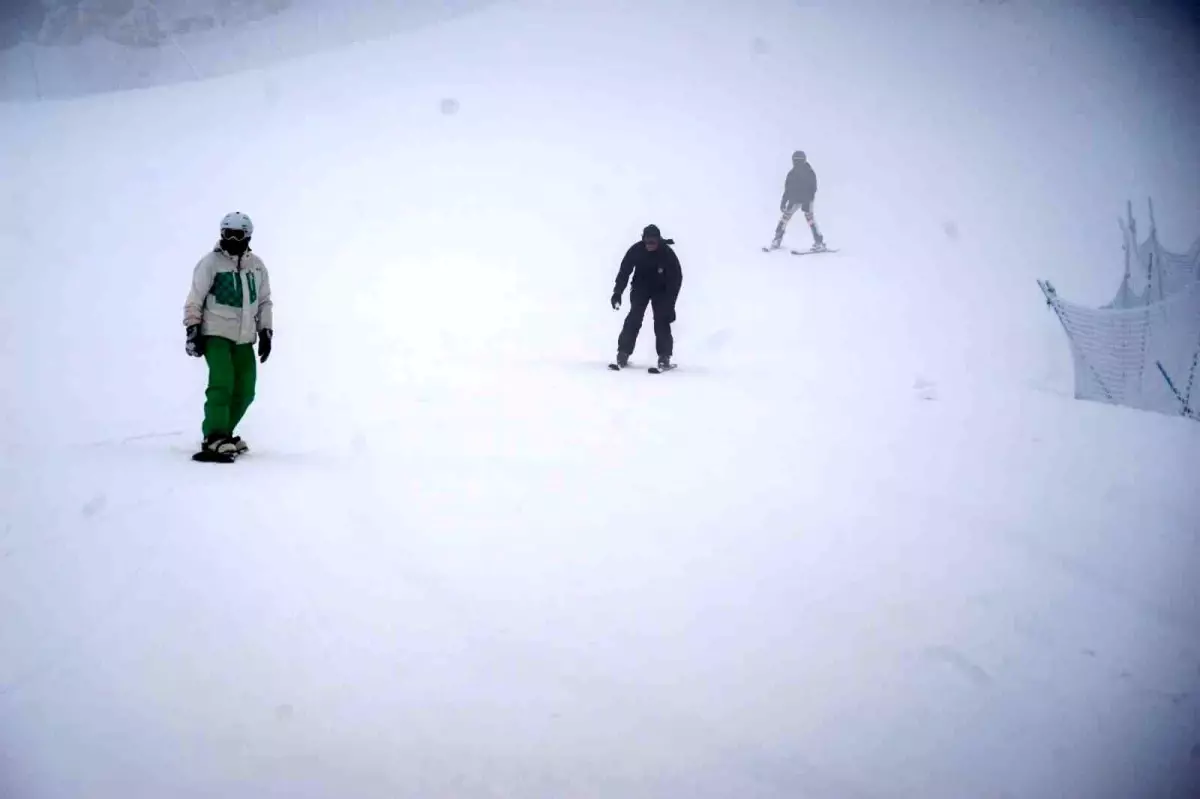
[657, 278]
[798, 192]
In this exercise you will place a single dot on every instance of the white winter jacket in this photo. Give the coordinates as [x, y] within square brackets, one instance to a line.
[230, 297]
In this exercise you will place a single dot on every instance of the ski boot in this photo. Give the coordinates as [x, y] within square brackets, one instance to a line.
[620, 363]
[664, 365]
[240, 446]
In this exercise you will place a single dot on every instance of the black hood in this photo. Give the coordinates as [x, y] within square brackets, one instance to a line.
[652, 232]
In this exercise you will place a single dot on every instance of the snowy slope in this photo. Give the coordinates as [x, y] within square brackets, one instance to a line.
[861, 544]
[74, 49]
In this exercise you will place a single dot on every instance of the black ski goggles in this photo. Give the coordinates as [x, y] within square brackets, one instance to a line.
[231, 234]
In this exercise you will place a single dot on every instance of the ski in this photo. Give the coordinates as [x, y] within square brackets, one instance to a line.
[798, 252]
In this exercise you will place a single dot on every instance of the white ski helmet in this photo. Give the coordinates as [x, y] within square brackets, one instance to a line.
[236, 220]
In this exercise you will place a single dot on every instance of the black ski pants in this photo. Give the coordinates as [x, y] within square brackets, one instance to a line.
[664, 314]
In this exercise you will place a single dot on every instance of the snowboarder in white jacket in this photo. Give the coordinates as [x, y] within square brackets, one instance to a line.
[227, 310]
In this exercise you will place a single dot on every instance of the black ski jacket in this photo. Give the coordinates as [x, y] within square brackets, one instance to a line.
[654, 273]
[800, 186]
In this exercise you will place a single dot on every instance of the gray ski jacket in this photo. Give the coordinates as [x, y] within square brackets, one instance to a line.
[230, 297]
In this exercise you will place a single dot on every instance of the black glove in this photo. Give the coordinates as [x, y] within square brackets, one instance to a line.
[195, 342]
[616, 301]
[264, 344]
[671, 315]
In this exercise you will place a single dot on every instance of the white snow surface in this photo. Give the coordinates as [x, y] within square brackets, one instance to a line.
[862, 543]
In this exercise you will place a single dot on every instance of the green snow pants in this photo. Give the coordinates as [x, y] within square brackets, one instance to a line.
[232, 369]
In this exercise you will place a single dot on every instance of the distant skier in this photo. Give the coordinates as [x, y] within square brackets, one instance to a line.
[657, 278]
[799, 190]
[227, 309]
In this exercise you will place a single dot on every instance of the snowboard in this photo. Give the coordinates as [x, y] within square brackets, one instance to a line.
[205, 456]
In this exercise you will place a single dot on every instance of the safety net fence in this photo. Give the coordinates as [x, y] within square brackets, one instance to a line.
[1142, 349]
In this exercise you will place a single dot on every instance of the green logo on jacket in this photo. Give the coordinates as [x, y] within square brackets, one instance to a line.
[227, 289]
